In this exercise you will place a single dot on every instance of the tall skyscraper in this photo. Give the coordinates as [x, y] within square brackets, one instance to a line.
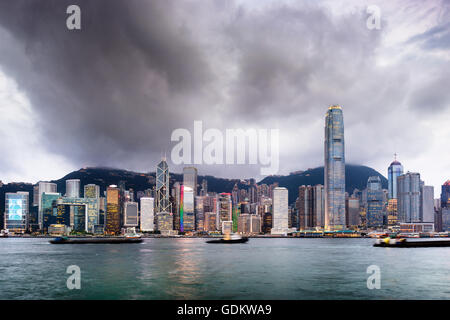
[408, 194]
[334, 169]
[73, 188]
[147, 214]
[395, 169]
[280, 218]
[162, 187]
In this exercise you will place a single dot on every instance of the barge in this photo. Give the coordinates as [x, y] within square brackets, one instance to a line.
[66, 240]
[229, 239]
[404, 243]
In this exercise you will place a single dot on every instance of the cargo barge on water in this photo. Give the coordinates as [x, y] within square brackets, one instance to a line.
[111, 240]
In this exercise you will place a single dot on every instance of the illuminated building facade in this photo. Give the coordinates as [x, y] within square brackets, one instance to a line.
[210, 221]
[187, 213]
[92, 191]
[113, 211]
[199, 214]
[249, 224]
[16, 211]
[267, 222]
[164, 221]
[334, 169]
[224, 209]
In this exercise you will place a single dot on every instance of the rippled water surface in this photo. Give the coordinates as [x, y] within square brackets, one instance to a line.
[192, 269]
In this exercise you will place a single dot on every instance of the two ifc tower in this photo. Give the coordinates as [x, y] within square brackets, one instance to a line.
[334, 169]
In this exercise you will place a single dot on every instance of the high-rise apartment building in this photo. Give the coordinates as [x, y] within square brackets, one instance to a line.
[280, 218]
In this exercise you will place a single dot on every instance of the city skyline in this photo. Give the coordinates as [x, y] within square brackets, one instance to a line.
[228, 74]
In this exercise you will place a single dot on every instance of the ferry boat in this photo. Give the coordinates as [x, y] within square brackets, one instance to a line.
[234, 238]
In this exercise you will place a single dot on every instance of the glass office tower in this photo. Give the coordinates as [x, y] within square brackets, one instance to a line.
[162, 187]
[334, 169]
[394, 170]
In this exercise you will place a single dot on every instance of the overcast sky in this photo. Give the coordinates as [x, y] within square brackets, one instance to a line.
[111, 93]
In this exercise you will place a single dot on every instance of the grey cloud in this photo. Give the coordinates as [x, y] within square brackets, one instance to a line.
[112, 93]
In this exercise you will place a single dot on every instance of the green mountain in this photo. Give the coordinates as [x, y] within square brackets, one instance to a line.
[355, 177]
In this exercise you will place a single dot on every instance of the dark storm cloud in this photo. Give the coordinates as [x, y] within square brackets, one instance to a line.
[102, 93]
[111, 93]
[289, 58]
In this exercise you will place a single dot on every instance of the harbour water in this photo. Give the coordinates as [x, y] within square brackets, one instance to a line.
[191, 269]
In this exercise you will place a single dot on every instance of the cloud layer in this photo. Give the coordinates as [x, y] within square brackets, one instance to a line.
[112, 93]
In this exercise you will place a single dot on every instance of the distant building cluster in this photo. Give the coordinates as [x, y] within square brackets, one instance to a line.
[188, 207]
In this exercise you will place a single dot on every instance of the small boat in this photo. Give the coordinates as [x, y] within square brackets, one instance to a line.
[229, 239]
[403, 243]
[66, 240]
[4, 233]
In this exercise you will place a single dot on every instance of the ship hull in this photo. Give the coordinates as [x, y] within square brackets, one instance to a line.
[95, 240]
[242, 240]
[414, 244]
